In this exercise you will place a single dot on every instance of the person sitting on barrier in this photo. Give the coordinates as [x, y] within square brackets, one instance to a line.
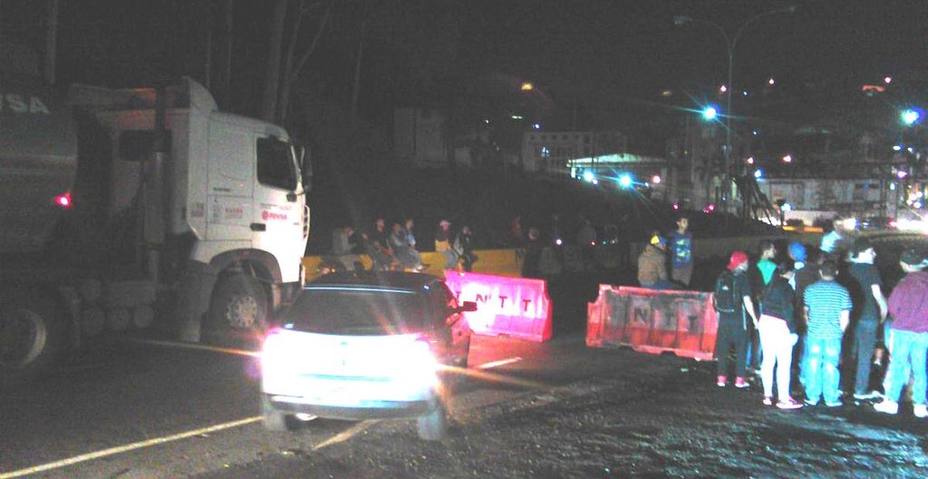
[405, 254]
[652, 264]
[464, 248]
[341, 241]
[732, 300]
[777, 330]
[443, 238]
[378, 246]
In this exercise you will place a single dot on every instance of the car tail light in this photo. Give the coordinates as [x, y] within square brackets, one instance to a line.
[416, 363]
[279, 354]
[64, 201]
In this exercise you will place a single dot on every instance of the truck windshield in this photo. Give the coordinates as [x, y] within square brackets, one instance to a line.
[368, 311]
[276, 167]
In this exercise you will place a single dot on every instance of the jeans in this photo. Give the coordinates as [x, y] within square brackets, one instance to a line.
[822, 376]
[908, 356]
[864, 342]
[778, 344]
[731, 335]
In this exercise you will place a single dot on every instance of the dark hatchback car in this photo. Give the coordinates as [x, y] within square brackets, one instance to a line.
[364, 345]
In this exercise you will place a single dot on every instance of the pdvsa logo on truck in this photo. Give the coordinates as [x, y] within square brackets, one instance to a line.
[24, 104]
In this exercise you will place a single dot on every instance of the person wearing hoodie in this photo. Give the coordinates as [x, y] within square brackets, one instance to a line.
[652, 264]
[908, 304]
[777, 330]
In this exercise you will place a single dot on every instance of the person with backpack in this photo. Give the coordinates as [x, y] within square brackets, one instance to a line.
[732, 301]
[777, 330]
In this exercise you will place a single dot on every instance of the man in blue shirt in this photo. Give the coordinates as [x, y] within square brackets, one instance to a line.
[681, 253]
[828, 309]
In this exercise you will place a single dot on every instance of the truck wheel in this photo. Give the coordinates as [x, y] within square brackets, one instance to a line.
[32, 335]
[433, 426]
[275, 420]
[239, 307]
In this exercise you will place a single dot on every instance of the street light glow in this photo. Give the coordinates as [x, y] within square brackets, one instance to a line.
[723, 88]
[758, 173]
[770, 82]
[709, 113]
[656, 179]
[897, 147]
[750, 160]
[526, 86]
[910, 116]
[887, 80]
[625, 181]
[787, 159]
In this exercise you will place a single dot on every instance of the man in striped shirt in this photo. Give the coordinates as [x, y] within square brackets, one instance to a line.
[828, 311]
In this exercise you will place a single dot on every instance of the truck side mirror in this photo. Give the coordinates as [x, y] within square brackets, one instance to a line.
[306, 166]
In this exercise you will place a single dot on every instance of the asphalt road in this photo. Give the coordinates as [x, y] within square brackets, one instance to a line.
[557, 409]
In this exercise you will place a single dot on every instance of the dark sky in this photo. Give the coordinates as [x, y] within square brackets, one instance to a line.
[607, 59]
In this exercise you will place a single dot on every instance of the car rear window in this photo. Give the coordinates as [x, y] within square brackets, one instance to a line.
[357, 311]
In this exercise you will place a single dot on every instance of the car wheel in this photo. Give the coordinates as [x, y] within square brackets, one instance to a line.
[275, 420]
[433, 426]
[32, 334]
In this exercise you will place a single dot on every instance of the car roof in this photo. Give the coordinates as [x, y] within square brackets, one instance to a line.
[397, 280]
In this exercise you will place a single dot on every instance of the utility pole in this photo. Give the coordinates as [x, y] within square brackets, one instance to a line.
[51, 41]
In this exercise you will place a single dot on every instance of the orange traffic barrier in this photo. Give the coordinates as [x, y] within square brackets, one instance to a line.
[653, 321]
[506, 306]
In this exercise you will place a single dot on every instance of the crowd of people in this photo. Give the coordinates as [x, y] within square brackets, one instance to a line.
[397, 249]
[827, 309]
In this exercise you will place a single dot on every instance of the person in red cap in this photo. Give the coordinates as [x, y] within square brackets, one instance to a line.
[732, 301]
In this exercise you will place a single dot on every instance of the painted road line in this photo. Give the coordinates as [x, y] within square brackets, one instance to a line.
[126, 448]
[501, 362]
[198, 347]
[346, 434]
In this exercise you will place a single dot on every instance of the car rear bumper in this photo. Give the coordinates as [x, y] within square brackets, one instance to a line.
[368, 409]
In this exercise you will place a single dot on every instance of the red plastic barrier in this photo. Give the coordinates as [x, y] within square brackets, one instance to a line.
[681, 322]
[517, 307]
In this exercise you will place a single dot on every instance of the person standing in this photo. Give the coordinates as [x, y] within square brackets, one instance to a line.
[828, 309]
[869, 311]
[760, 276]
[681, 253]
[908, 304]
[732, 300]
[777, 330]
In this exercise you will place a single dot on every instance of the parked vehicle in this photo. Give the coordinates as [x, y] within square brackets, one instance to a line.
[127, 209]
[362, 346]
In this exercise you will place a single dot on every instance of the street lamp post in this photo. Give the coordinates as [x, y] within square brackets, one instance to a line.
[730, 44]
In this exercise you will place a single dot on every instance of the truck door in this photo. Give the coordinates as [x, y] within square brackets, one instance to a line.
[231, 180]
[277, 222]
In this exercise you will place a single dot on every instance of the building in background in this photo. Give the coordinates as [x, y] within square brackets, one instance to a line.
[549, 151]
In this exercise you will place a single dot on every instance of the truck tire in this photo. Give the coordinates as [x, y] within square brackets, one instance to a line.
[239, 309]
[433, 426]
[275, 420]
[32, 334]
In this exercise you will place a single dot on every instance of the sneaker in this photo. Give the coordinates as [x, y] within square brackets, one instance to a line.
[867, 396]
[740, 383]
[789, 404]
[811, 403]
[768, 401]
[887, 406]
[835, 403]
[721, 381]
[920, 410]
